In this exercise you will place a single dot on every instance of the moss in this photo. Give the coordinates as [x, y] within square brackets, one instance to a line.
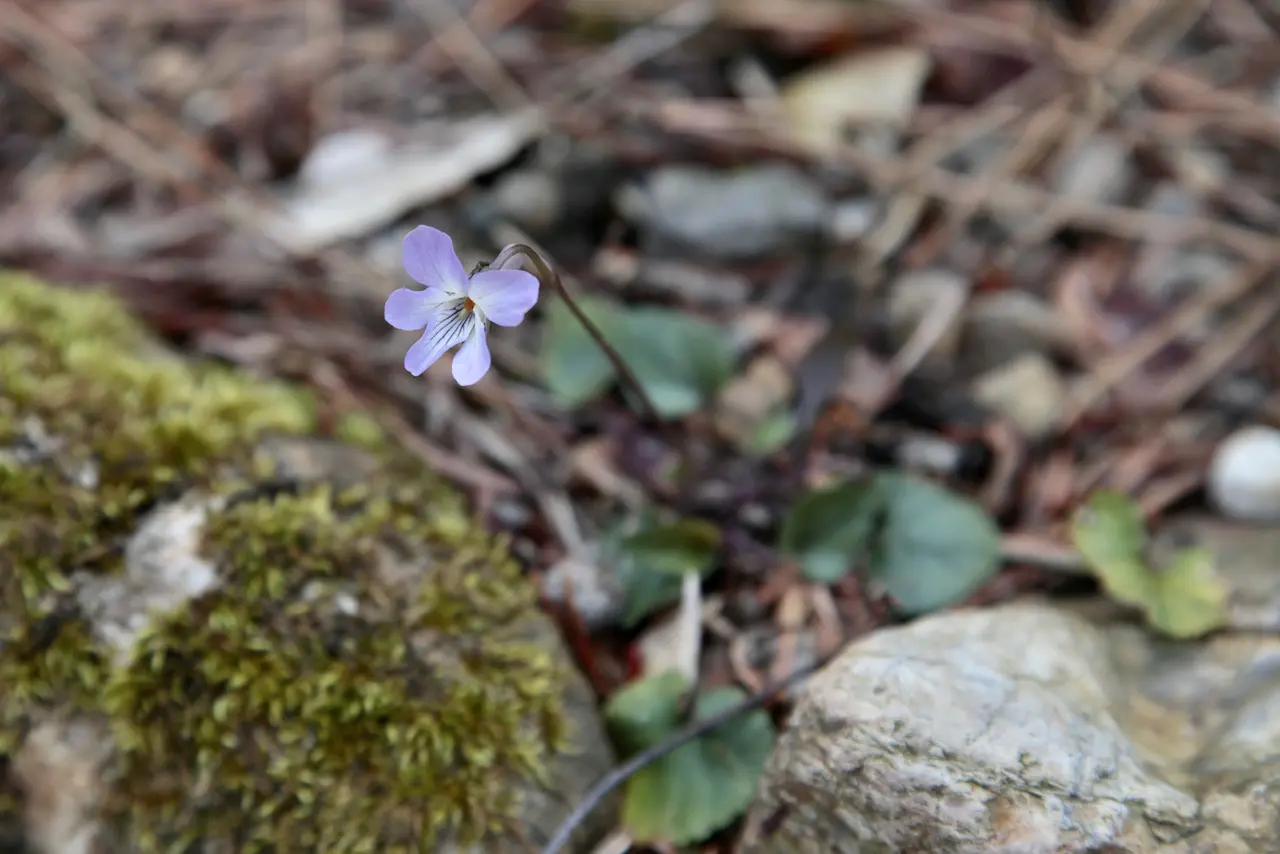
[360, 429]
[111, 430]
[358, 679]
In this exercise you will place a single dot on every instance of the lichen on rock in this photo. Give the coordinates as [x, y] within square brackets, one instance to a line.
[274, 661]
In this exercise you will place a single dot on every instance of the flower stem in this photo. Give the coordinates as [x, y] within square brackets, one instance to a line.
[689, 731]
[548, 275]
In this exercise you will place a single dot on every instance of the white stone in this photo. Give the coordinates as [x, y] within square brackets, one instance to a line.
[163, 569]
[1244, 477]
[594, 592]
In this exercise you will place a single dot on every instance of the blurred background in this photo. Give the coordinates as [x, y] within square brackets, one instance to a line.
[1026, 250]
[907, 217]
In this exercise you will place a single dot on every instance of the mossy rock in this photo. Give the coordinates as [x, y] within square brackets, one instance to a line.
[221, 632]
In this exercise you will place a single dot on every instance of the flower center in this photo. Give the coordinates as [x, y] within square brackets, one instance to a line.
[469, 304]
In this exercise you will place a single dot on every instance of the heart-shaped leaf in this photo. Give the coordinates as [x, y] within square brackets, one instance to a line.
[700, 787]
[645, 711]
[1185, 599]
[576, 370]
[650, 563]
[1193, 599]
[826, 531]
[934, 548]
[689, 545]
[680, 361]
[1110, 534]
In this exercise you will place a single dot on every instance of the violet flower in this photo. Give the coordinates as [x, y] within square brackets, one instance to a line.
[455, 308]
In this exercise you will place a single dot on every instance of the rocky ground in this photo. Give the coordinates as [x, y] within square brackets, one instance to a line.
[223, 629]
[959, 319]
[1028, 727]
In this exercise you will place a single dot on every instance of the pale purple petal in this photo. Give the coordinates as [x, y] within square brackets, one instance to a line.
[504, 295]
[429, 259]
[409, 309]
[472, 360]
[445, 329]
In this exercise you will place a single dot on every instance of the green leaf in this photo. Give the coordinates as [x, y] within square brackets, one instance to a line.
[649, 564]
[576, 370]
[644, 592]
[1186, 599]
[701, 786]
[935, 547]
[772, 434]
[1111, 536]
[1195, 598]
[679, 360]
[826, 531]
[689, 545]
[645, 711]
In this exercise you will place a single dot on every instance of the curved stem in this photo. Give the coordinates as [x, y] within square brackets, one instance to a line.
[547, 274]
[677, 739]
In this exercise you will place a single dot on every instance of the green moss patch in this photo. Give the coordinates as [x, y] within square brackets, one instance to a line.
[359, 680]
[92, 430]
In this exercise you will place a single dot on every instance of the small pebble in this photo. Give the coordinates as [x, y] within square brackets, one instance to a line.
[731, 215]
[596, 594]
[1244, 477]
[532, 199]
[1002, 326]
[1027, 391]
[1100, 171]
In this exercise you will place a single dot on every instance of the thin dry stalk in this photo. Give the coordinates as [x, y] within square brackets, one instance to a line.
[1108, 373]
[1228, 343]
[456, 38]
[178, 159]
[1119, 89]
[1174, 82]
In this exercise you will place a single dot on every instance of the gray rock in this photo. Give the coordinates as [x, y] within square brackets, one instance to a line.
[1028, 730]
[852, 219]
[1177, 272]
[1002, 326]
[748, 213]
[531, 198]
[164, 569]
[1099, 171]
